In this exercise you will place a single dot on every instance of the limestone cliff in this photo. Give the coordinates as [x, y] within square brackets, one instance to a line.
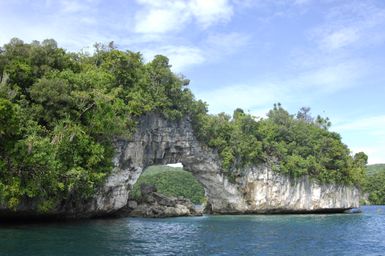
[260, 190]
[160, 141]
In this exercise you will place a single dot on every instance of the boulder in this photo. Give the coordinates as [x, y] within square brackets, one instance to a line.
[157, 205]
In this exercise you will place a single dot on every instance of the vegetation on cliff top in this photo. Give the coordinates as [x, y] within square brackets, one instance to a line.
[291, 144]
[171, 181]
[60, 111]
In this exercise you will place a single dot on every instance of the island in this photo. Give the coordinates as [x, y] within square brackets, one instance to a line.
[77, 130]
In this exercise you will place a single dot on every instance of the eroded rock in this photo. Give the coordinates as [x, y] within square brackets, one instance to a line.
[156, 205]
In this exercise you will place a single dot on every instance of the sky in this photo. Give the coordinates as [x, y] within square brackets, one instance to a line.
[328, 55]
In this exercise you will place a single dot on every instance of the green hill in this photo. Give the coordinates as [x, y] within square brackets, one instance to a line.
[171, 181]
[374, 169]
[375, 183]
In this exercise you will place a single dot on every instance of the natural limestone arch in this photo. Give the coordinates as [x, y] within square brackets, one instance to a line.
[158, 141]
[161, 141]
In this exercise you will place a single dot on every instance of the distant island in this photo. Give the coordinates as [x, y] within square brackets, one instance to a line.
[76, 131]
[374, 185]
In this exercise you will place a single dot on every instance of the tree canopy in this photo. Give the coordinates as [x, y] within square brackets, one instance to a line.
[61, 111]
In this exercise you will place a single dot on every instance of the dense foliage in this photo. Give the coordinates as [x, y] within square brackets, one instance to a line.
[293, 145]
[61, 111]
[375, 183]
[171, 181]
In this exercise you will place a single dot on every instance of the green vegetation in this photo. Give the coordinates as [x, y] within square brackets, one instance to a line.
[293, 145]
[171, 181]
[60, 113]
[375, 183]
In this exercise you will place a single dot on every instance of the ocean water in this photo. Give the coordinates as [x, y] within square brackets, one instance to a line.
[318, 234]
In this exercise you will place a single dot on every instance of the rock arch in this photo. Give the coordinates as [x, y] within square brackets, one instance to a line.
[160, 141]
[260, 190]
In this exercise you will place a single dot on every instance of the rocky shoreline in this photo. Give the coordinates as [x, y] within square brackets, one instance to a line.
[152, 204]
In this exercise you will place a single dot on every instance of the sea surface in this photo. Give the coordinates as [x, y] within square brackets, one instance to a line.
[318, 234]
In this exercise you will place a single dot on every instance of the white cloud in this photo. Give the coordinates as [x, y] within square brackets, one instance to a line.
[181, 57]
[160, 21]
[329, 78]
[302, 2]
[354, 24]
[172, 16]
[210, 12]
[215, 47]
[298, 88]
[335, 62]
[68, 6]
[339, 38]
[248, 97]
[306, 85]
[365, 134]
[370, 124]
[77, 25]
[375, 152]
[72, 23]
[226, 43]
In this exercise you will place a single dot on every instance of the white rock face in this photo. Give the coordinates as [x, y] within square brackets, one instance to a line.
[268, 191]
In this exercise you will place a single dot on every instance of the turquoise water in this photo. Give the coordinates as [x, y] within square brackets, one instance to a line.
[338, 234]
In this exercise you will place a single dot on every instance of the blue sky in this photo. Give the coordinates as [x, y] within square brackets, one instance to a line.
[328, 55]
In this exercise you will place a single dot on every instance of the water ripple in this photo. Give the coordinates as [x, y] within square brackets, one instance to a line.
[328, 234]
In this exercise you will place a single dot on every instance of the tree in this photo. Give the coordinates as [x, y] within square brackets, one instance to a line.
[9, 120]
[304, 115]
[360, 159]
[323, 123]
